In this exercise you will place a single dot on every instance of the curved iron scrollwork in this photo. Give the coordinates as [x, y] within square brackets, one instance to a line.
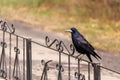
[60, 69]
[5, 26]
[71, 51]
[60, 46]
[79, 76]
[3, 66]
[49, 43]
[45, 69]
[16, 69]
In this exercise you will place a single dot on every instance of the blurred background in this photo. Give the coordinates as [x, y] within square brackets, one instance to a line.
[97, 20]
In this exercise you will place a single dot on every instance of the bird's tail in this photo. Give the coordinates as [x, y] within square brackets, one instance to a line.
[95, 55]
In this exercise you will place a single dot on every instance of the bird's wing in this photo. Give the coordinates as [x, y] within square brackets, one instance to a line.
[83, 40]
[86, 46]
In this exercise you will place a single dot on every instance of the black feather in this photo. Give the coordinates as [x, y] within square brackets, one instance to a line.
[82, 45]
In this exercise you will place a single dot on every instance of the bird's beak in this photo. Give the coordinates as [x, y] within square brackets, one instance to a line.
[68, 30]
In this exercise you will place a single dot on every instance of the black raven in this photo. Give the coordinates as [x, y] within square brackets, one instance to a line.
[82, 45]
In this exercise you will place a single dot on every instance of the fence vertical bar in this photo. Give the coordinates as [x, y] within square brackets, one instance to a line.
[97, 72]
[60, 67]
[78, 69]
[23, 58]
[16, 68]
[3, 66]
[29, 59]
[69, 67]
[88, 71]
[10, 57]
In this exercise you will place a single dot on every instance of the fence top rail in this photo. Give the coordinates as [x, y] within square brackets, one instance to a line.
[60, 44]
[46, 46]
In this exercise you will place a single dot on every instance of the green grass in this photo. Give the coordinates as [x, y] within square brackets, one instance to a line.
[101, 28]
[30, 3]
[103, 10]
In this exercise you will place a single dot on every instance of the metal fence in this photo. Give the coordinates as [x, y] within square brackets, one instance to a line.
[54, 61]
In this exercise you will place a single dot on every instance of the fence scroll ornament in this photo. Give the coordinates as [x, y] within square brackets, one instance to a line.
[16, 69]
[5, 26]
[77, 74]
[80, 76]
[3, 67]
[45, 69]
[61, 48]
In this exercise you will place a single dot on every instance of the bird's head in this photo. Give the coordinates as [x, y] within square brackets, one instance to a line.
[71, 30]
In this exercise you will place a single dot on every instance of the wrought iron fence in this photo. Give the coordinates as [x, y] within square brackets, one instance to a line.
[17, 60]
